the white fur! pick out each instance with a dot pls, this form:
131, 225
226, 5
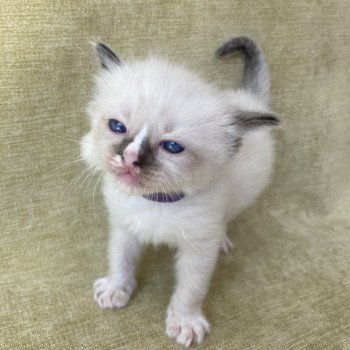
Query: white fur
135, 146
163, 101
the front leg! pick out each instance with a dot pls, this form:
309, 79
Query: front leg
185, 320
115, 290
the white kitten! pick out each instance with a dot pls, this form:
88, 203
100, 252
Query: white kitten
180, 160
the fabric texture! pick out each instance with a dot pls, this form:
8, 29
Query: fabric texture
285, 286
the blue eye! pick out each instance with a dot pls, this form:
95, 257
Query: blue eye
172, 146
116, 126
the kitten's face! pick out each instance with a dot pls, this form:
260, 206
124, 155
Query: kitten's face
157, 128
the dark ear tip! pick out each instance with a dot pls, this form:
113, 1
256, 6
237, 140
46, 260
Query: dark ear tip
103, 49
251, 120
107, 57
100, 47
272, 120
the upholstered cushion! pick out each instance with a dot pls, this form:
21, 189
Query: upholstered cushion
285, 286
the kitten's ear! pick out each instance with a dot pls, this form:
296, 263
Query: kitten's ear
248, 120
107, 57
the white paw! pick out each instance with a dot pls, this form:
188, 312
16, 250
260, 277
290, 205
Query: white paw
187, 329
108, 296
226, 245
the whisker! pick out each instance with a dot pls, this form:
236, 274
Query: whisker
85, 183
72, 183
88, 183
183, 201
90, 173
64, 166
75, 183
93, 193
54, 134
187, 178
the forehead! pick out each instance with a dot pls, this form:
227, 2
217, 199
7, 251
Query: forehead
162, 96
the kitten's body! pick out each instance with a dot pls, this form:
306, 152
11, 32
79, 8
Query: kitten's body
236, 188
228, 162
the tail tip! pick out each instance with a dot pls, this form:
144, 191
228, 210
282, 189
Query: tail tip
221, 51
236, 44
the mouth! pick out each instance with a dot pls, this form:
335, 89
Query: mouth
128, 178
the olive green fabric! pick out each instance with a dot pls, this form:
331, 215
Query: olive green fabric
287, 283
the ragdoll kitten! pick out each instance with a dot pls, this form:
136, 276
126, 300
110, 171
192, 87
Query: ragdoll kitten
179, 160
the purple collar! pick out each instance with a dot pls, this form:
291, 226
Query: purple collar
162, 197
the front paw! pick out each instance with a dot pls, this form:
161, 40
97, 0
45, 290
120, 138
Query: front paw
109, 296
187, 329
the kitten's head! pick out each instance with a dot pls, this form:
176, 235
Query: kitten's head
156, 127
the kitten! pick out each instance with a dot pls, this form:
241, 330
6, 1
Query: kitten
180, 159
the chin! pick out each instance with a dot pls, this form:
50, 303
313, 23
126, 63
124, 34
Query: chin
129, 185
129, 180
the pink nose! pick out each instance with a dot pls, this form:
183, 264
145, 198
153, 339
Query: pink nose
131, 158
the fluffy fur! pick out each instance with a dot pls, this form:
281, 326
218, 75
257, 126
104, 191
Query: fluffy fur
226, 164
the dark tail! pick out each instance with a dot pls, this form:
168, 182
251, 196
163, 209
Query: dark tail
256, 75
